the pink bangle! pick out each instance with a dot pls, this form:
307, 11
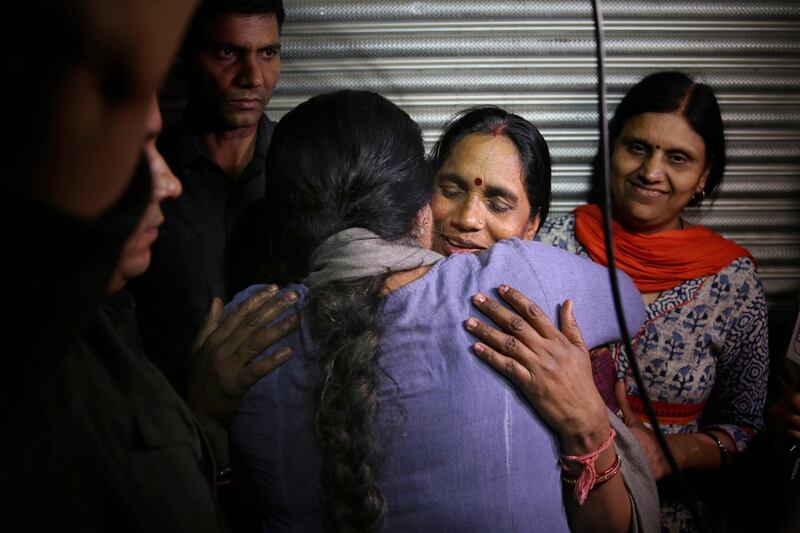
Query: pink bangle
602, 477
588, 477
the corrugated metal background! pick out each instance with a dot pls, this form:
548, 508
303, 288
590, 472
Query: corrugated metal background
537, 59
436, 57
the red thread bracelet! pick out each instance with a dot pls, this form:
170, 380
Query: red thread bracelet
588, 477
602, 477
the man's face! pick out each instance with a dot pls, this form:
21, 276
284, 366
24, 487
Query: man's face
234, 67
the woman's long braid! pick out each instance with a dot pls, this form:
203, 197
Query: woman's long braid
348, 159
344, 316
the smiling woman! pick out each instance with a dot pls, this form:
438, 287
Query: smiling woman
703, 347
360, 432
658, 165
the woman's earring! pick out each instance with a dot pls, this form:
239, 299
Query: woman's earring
699, 196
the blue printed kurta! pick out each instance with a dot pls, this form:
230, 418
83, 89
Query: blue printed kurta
702, 352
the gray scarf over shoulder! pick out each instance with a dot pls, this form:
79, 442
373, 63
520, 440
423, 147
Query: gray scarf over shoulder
359, 253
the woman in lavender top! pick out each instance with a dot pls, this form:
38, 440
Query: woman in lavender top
384, 418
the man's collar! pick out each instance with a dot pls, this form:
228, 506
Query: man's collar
192, 147
263, 136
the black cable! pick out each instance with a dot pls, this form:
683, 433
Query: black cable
612, 270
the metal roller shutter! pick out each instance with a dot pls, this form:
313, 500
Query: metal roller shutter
437, 57
537, 58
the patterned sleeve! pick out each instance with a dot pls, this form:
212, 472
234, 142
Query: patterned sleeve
559, 232
736, 404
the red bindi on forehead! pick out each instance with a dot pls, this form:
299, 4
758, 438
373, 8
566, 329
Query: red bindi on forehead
478, 182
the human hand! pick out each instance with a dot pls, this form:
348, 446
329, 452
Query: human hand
786, 414
551, 368
223, 352
644, 435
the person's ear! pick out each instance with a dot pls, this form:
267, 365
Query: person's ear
701, 183
531, 227
423, 227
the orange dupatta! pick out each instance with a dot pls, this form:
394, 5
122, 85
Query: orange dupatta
657, 261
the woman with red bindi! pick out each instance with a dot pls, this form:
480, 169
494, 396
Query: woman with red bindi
492, 181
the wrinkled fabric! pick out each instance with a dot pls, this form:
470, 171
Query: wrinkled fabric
459, 448
657, 261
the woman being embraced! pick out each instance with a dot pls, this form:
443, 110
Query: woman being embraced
703, 348
384, 418
492, 173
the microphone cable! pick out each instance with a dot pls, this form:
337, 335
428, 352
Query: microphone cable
605, 155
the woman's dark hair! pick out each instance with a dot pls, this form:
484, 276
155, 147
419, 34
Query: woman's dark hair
668, 92
345, 160
533, 151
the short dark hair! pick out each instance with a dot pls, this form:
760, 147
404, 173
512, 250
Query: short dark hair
533, 151
668, 92
210, 9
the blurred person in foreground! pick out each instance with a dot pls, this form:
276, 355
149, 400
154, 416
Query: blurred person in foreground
73, 206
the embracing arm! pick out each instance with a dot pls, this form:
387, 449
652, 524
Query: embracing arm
552, 369
563, 276
223, 367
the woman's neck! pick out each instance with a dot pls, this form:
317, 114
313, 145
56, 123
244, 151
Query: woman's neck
403, 278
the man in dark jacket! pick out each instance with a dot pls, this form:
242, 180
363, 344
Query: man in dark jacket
231, 63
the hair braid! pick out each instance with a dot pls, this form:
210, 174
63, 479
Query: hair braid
344, 315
